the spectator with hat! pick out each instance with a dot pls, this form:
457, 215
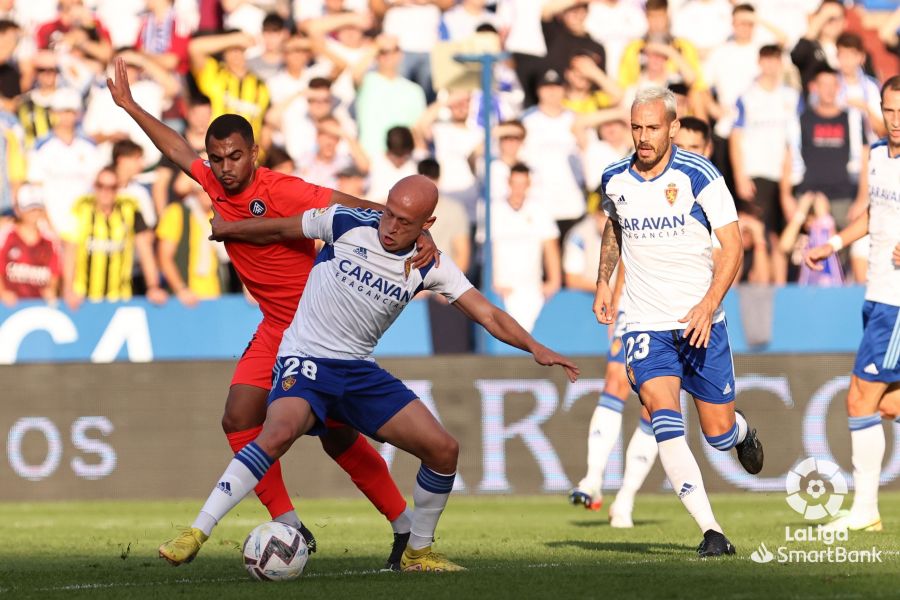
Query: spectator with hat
29, 260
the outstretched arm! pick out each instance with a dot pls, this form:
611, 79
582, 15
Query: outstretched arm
260, 232
503, 327
170, 143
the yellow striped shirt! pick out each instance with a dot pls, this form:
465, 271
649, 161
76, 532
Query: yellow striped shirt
247, 96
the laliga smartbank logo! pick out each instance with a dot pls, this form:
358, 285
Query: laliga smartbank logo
815, 489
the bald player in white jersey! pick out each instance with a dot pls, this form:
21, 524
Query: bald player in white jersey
875, 383
664, 204
361, 281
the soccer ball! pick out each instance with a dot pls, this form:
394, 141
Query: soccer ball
275, 552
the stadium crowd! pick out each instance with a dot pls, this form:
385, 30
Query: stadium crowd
784, 95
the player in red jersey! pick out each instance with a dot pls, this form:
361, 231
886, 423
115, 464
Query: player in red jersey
275, 275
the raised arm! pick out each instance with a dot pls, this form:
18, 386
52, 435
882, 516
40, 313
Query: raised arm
170, 143
503, 327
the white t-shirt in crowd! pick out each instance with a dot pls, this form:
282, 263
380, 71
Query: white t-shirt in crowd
552, 153
706, 23
731, 69
581, 250
383, 174
460, 23
598, 155
523, 20
518, 238
453, 144
769, 124
416, 27
615, 27
104, 117
312, 9
122, 18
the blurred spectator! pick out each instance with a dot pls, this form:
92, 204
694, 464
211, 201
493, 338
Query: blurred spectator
451, 226
511, 136
12, 161
552, 153
249, 15
294, 78
694, 136
808, 229
659, 58
615, 23
269, 59
817, 47
76, 30
524, 238
415, 26
756, 267
29, 260
603, 138
520, 26
197, 118
9, 39
386, 99
733, 65
352, 181
448, 125
859, 92
163, 37
830, 142
128, 162
789, 16
322, 167
397, 162
306, 10
279, 160
152, 86
34, 106
187, 258
229, 84
299, 117
64, 162
122, 19
588, 88
581, 252
704, 23
764, 130
463, 20
99, 249
343, 47
563, 23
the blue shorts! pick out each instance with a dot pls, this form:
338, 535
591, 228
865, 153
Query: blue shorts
616, 352
879, 351
356, 392
706, 373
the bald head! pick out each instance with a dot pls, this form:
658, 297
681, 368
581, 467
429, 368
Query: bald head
408, 211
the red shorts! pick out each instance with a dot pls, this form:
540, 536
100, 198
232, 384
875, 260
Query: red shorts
256, 363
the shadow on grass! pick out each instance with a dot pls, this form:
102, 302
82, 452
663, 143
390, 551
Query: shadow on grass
628, 547
605, 523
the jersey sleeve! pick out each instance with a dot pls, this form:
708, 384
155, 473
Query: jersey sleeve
292, 196
717, 203
318, 224
446, 280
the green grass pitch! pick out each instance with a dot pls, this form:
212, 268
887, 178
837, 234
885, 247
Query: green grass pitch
514, 547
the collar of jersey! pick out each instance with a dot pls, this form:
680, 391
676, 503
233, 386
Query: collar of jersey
668, 164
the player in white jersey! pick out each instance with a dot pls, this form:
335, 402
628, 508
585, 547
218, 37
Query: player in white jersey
363, 278
875, 382
664, 204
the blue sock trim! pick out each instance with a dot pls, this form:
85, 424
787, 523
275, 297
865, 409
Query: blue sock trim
254, 458
726, 441
667, 424
434, 482
611, 402
864, 422
645, 426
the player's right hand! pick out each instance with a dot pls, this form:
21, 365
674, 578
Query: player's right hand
895, 255
603, 304
215, 225
119, 88
815, 256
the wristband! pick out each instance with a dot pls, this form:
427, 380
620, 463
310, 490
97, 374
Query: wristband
836, 242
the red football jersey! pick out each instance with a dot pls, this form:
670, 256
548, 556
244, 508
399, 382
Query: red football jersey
275, 274
28, 269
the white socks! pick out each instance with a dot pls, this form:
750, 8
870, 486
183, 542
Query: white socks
429, 497
606, 425
402, 523
639, 458
243, 473
681, 467
867, 446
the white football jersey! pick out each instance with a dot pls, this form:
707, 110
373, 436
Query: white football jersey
667, 224
884, 225
356, 288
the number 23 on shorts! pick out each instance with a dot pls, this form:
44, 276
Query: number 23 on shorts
637, 347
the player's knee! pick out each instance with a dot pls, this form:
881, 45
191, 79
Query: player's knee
338, 440
236, 420
277, 437
858, 404
445, 454
724, 441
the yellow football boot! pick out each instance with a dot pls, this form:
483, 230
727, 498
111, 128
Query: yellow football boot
183, 548
425, 560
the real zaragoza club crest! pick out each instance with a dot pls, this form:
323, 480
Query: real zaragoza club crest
671, 193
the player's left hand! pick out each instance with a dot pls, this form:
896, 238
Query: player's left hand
699, 324
896, 256
547, 357
426, 251
216, 224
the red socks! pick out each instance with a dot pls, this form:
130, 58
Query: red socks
371, 475
270, 489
